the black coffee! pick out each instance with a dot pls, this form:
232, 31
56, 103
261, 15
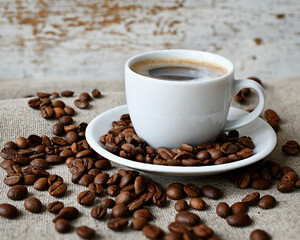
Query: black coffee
178, 69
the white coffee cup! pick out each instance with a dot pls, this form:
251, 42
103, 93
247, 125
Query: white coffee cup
169, 113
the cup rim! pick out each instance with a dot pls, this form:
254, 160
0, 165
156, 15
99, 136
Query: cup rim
189, 82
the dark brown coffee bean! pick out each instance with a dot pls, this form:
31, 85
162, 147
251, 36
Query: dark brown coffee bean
173, 236
68, 213
54, 178
239, 207
96, 188
286, 187
223, 160
113, 190
39, 172
117, 224
203, 155
98, 212
86, 198
59, 141
192, 190
239, 97
243, 180
13, 180
47, 112
84, 96
7, 163
238, 220
43, 95
11, 145
96, 93
34, 140
135, 205
22, 142
71, 137
45, 140
58, 112
82, 104
119, 210
289, 177
69, 111
259, 234
179, 227
271, 115
187, 217
267, 202
211, 192
17, 192
58, 103
251, 199
260, 184
103, 164
215, 153
29, 179
62, 225
34, 102
41, 184
197, 204
203, 231
223, 210
84, 153
67, 93
138, 223
124, 197
139, 185
85, 180
53, 159
33, 205
126, 180
165, 153
58, 129
85, 232
55, 207
245, 153
55, 95
181, 205
291, 148
101, 178
66, 120
39, 162
107, 202
175, 192
153, 232
8, 153
8, 211
297, 184
57, 189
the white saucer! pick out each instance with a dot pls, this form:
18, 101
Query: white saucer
261, 133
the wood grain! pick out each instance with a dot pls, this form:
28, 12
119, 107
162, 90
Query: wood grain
92, 39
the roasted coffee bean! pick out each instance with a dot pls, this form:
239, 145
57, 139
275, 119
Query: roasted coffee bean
101, 178
175, 192
8, 153
34, 140
57, 189
41, 184
117, 224
22, 142
139, 185
39, 162
45, 140
59, 141
238, 220
71, 137
85, 180
143, 213
103, 164
211, 192
265, 174
39, 172
223, 210
14, 170
82, 104
7, 163
86, 198
43, 95
173, 236
62, 225
239, 97
153, 232
239, 207
187, 217
85, 96
251, 199
192, 190
11, 145
58, 112
55, 207
223, 160
179, 227
53, 159
85, 232
259, 234
113, 190
13, 180
34, 102
289, 177
29, 179
58, 103
96, 188
138, 223
98, 212
271, 115
126, 180
291, 148
96, 93
55, 95
286, 187
67, 93
267, 202
260, 184
33, 205
245, 153
124, 197
40, 148
68, 213
66, 120
8, 211
21, 160
58, 129
47, 112
203, 231
69, 111
45, 102
17, 192
159, 200
181, 205
119, 210
243, 180
107, 202
197, 204
54, 178
135, 205
85, 153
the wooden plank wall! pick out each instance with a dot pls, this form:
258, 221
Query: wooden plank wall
91, 39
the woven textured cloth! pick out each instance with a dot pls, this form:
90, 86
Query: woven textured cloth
17, 119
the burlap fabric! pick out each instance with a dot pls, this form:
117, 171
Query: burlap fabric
17, 119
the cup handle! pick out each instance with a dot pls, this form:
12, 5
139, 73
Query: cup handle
239, 85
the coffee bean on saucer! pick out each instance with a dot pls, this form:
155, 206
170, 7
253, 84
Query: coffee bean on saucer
96, 93
238, 220
85, 232
33, 205
55, 207
181, 205
223, 210
62, 225
67, 93
251, 199
81, 103
17, 192
8, 211
267, 202
259, 234
291, 148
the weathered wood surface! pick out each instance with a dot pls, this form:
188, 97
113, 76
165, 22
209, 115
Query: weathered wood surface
92, 39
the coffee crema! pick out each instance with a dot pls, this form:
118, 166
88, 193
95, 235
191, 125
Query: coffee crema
178, 69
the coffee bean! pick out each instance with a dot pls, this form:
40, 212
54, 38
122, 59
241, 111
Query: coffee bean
113, 190
39, 162
124, 197
71, 137
66, 120
55, 207
143, 213
62, 225
251, 199
260, 184
179, 227
103, 164
81, 103
243, 180
8, 211
13, 180
85, 232
135, 205
197, 204
58, 129
289, 177
267, 202
211, 192
22, 142
55, 95
119, 210
117, 224
45, 140
181, 205
86, 198
58, 104
173, 236
96, 93
187, 217
85, 180
85, 96
286, 187
53, 159
107, 202
138, 223
203, 231
139, 185
17, 192
271, 115
54, 178
175, 192
238, 220
41, 184
239, 207
223, 210
69, 111
7, 163
152, 231
291, 148
33, 205
98, 212
68, 213
67, 93
259, 234
57, 189
192, 190
47, 112
29, 179
239, 97
297, 184
34, 102
101, 179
